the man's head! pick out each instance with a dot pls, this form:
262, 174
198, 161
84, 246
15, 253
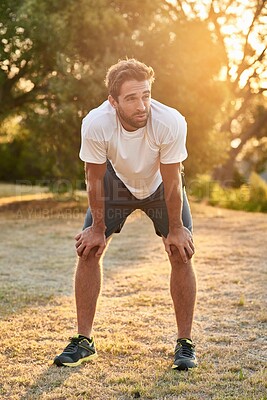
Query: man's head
127, 70
129, 85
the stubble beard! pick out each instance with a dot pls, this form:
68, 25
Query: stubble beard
131, 121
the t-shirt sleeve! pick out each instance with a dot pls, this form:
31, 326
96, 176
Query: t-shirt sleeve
173, 146
93, 150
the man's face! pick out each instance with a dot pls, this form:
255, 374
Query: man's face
133, 104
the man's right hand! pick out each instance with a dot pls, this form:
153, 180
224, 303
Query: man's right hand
88, 239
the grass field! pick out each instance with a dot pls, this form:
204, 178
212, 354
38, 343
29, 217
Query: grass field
12, 190
12, 193
134, 329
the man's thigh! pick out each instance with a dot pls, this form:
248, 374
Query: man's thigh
156, 209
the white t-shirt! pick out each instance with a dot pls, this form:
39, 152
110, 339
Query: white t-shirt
135, 156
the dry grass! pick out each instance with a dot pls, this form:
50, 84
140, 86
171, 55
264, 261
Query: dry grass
18, 190
135, 329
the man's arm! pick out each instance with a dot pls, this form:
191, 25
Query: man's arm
178, 235
94, 236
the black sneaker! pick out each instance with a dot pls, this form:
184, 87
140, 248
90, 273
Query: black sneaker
79, 350
185, 356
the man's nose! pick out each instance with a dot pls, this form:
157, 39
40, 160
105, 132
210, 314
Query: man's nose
141, 106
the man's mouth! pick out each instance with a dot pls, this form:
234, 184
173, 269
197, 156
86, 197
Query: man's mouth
141, 116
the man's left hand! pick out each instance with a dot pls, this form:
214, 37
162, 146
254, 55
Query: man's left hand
182, 239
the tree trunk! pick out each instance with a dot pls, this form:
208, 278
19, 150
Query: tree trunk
225, 173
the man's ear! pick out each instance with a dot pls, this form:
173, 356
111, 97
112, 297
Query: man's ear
112, 101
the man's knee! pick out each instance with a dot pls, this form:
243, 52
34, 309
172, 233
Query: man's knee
176, 259
90, 260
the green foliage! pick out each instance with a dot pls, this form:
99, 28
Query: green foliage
249, 197
20, 162
258, 193
54, 56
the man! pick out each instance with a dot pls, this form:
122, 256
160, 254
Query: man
133, 147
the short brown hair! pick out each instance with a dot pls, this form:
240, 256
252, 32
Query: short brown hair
126, 70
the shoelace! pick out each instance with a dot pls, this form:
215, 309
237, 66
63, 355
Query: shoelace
185, 350
73, 344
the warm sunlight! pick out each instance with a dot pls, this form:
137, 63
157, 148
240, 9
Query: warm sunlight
174, 306
235, 26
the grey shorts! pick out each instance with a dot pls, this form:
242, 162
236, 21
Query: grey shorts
120, 203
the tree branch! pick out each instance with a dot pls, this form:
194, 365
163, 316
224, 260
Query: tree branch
172, 7
213, 17
256, 15
252, 131
226, 125
260, 57
193, 11
228, 5
242, 66
15, 102
225, 172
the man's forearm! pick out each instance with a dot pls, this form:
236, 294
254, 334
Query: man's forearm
178, 236
96, 198
94, 174
174, 200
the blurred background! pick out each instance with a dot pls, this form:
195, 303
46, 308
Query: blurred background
210, 63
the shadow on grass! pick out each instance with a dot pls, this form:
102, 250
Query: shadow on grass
169, 384
16, 300
49, 380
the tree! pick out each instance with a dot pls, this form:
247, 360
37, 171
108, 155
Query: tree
245, 77
54, 57
53, 62
240, 28
29, 43
187, 61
